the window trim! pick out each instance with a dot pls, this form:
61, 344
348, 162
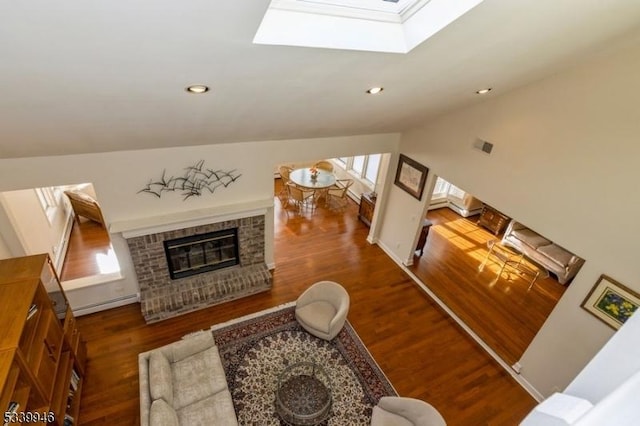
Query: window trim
348, 167
49, 198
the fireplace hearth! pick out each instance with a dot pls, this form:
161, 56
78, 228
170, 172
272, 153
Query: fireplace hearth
185, 269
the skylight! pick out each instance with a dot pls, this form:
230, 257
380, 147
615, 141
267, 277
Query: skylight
377, 10
371, 25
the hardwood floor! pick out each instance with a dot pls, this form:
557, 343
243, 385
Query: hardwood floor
502, 311
89, 251
421, 350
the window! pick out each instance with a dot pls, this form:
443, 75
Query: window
49, 198
456, 192
358, 164
364, 167
441, 188
371, 173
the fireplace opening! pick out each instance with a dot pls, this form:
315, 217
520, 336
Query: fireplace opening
202, 253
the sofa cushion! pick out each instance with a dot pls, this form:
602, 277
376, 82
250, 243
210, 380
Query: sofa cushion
160, 377
317, 315
197, 377
530, 238
162, 414
557, 255
189, 345
215, 410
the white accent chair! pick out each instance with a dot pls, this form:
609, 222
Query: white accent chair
322, 309
402, 411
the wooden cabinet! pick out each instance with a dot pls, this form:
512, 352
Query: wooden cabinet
41, 354
493, 220
367, 205
424, 233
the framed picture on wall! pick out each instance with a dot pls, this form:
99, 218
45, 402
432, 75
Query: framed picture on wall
611, 302
411, 176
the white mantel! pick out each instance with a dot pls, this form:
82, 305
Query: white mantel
188, 218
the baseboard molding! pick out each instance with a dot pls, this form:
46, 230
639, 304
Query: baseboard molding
438, 205
390, 253
115, 303
517, 377
453, 207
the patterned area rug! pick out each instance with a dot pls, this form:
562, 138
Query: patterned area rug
256, 349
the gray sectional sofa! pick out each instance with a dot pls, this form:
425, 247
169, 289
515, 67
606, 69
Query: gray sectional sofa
564, 264
183, 383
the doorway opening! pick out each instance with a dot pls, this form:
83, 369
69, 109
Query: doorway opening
499, 304
66, 222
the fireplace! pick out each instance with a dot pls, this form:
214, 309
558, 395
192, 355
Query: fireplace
197, 254
182, 268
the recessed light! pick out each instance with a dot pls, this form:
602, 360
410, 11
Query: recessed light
197, 88
375, 90
483, 91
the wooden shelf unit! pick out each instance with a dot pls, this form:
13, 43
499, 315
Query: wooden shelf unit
38, 352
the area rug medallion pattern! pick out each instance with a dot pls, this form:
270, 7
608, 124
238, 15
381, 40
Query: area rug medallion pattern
256, 349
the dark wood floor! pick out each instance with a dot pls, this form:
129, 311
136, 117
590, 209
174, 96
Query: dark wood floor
421, 350
501, 310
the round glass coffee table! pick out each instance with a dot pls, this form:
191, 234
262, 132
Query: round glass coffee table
303, 395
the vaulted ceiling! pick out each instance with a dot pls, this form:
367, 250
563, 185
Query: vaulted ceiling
102, 75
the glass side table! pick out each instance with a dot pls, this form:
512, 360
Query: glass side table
508, 257
303, 395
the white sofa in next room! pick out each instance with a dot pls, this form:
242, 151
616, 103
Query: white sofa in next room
560, 261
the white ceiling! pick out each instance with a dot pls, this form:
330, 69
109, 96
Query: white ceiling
102, 75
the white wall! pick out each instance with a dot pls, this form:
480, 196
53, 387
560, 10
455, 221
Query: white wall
12, 247
4, 250
118, 176
34, 231
617, 361
610, 382
565, 162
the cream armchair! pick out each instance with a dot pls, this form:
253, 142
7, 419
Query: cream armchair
322, 309
400, 411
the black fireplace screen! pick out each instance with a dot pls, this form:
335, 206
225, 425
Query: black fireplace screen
202, 253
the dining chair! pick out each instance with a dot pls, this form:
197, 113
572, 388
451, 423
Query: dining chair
336, 196
324, 165
284, 171
299, 198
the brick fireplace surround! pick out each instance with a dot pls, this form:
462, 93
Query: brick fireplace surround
162, 298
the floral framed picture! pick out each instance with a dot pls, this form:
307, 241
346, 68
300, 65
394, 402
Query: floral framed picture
611, 302
411, 176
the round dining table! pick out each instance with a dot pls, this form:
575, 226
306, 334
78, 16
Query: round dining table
302, 178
